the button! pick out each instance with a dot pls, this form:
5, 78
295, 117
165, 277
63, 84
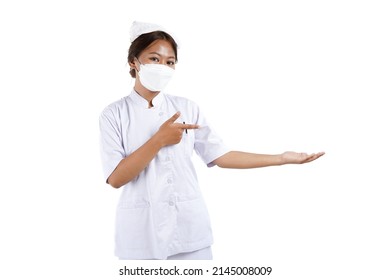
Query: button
161, 113
171, 203
169, 181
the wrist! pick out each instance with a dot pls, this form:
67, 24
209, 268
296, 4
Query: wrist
281, 160
157, 141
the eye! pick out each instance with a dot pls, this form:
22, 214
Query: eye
171, 63
154, 59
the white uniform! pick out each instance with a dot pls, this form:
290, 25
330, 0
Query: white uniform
161, 212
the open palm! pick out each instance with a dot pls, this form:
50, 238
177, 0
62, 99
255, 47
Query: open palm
299, 158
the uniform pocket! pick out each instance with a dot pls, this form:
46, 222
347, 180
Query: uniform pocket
193, 220
133, 222
187, 142
135, 203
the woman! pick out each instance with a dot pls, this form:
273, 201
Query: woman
147, 140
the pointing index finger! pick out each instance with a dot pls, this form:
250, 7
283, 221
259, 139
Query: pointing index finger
173, 118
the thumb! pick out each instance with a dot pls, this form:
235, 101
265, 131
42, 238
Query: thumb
173, 118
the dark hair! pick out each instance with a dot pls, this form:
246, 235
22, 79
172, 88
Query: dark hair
144, 41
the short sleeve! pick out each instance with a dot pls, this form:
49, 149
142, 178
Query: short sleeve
111, 148
208, 145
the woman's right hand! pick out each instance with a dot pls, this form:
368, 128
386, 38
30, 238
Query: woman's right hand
170, 133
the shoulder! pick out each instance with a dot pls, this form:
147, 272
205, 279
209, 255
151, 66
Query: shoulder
183, 101
116, 107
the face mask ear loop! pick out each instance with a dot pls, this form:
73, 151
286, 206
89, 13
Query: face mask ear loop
135, 68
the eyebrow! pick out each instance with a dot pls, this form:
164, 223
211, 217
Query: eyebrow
161, 55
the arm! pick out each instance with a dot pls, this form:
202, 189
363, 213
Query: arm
170, 133
241, 160
129, 167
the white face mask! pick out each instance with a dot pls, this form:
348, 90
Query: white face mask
155, 77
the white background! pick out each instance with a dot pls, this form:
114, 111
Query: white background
270, 75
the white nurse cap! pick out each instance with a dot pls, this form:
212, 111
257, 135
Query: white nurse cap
138, 28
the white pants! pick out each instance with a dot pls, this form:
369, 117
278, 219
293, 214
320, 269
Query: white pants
202, 254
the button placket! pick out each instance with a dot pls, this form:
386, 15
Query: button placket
169, 177
169, 187
172, 200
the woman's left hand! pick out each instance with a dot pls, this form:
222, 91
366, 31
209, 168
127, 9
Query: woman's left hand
299, 158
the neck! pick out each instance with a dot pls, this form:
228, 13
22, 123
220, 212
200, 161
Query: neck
145, 93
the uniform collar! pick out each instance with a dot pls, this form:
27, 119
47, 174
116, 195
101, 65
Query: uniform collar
140, 101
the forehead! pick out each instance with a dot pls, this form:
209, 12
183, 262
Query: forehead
161, 47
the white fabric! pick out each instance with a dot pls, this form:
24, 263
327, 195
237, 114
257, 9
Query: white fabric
161, 212
138, 28
202, 254
155, 77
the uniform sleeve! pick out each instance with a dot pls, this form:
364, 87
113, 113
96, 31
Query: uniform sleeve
208, 145
111, 148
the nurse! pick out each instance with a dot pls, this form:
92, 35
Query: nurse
147, 139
